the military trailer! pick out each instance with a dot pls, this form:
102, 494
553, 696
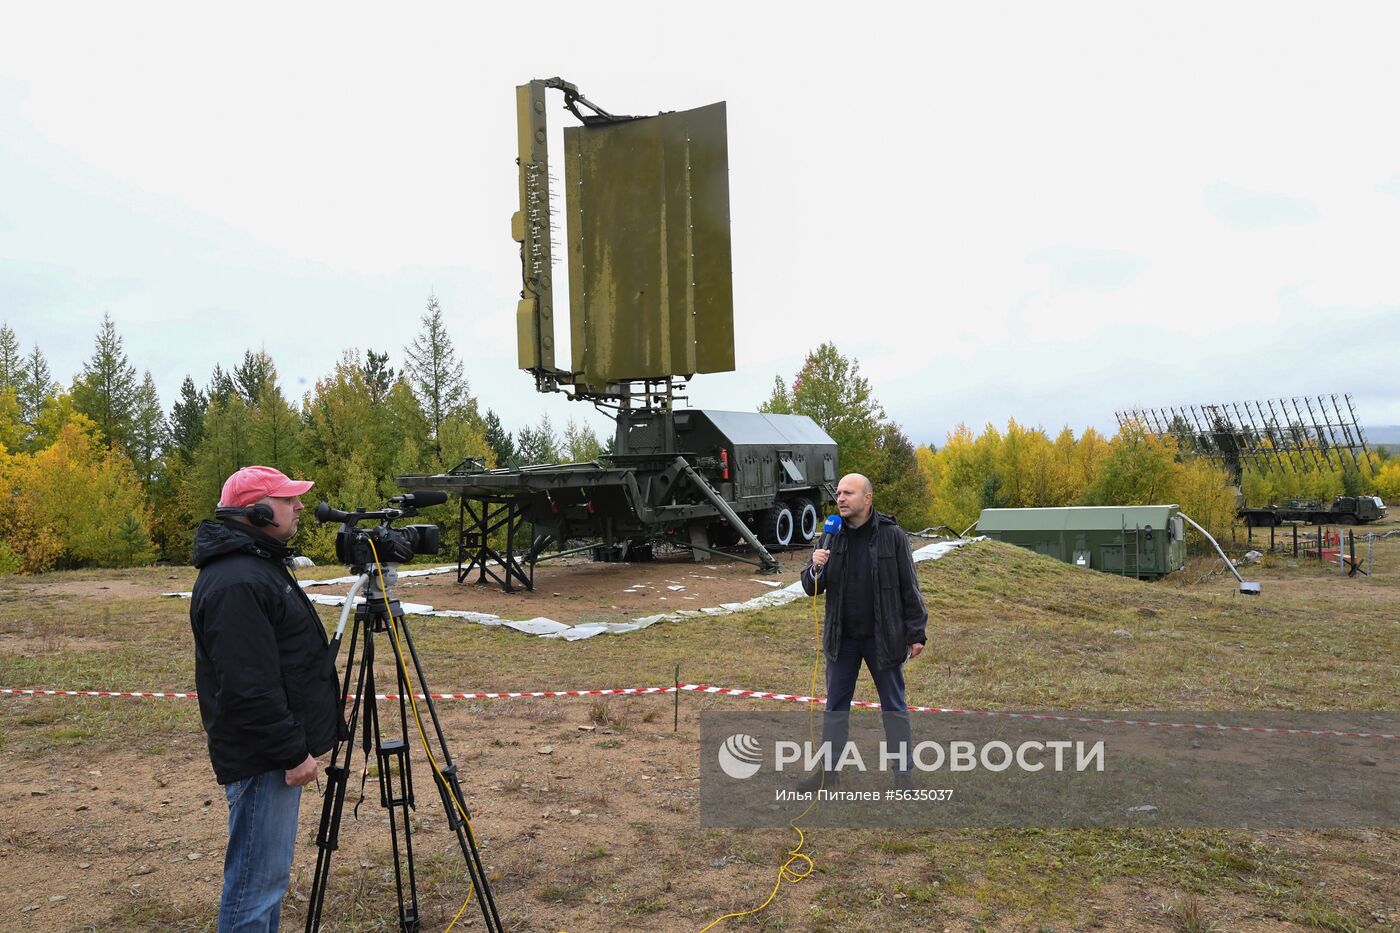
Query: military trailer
1344, 510
1144, 541
650, 305
702, 479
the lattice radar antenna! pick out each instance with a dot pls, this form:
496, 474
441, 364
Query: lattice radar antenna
1301, 429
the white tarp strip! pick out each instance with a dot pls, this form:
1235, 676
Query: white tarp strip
346, 581
548, 628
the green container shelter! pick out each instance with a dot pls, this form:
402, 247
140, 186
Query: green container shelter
1145, 541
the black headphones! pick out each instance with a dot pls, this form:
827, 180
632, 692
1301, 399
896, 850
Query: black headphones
259, 514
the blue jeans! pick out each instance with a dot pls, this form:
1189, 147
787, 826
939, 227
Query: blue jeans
262, 834
841, 688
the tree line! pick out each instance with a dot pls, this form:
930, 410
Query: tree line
1021, 467
101, 474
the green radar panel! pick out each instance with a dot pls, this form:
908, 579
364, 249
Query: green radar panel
650, 284
650, 288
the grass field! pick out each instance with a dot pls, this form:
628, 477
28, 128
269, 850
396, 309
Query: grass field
601, 832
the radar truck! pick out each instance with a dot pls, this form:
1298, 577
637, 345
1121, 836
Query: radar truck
1344, 510
650, 306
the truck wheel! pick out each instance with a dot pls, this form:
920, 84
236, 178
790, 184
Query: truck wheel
806, 520
777, 525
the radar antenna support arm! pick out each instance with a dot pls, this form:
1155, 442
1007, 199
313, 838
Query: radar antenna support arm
767, 564
573, 97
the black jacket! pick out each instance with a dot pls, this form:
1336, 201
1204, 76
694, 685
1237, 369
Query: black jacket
900, 616
267, 685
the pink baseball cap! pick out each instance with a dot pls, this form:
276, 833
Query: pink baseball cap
254, 483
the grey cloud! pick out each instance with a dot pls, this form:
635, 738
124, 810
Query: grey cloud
1077, 269
1253, 210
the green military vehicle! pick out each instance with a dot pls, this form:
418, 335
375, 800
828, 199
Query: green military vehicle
1344, 510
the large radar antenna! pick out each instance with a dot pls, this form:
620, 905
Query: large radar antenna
1300, 429
650, 288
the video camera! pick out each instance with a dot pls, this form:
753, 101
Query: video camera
392, 545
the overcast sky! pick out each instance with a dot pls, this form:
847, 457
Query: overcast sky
1045, 211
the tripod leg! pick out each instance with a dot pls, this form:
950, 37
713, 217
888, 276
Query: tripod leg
450, 790
337, 778
396, 796
327, 841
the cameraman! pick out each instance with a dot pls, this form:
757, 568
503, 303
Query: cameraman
267, 686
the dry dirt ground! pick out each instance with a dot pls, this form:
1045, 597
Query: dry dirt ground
574, 589
111, 838
132, 838
585, 807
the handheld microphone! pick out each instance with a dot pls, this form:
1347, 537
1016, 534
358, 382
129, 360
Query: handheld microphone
830, 530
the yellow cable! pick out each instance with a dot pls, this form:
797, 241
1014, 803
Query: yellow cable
785, 871
418, 721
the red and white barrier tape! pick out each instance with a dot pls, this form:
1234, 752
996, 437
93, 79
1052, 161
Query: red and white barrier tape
1049, 717
96, 693
619, 691
786, 697
378, 696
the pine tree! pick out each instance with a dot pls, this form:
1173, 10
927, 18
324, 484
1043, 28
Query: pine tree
581, 444
149, 432
433, 370
36, 385
225, 445
379, 375
901, 488
253, 375
106, 389
275, 430
133, 543
538, 444
499, 439
11, 361
187, 419
221, 385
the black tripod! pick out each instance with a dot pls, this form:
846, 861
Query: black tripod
380, 613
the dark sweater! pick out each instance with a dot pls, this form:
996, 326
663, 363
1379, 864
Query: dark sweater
899, 615
858, 588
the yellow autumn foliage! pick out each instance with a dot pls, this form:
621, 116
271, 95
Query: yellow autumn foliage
76, 503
